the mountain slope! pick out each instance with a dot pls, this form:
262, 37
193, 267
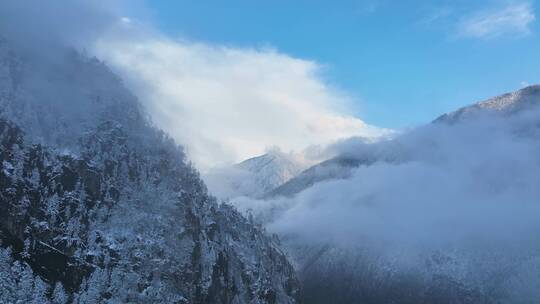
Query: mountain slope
504, 104
255, 176
430, 216
334, 168
95, 199
271, 170
341, 166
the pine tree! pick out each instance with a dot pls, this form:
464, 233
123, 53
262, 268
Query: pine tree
59, 295
39, 294
7, 280
25, 282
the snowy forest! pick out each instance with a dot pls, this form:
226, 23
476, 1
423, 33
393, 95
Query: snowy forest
101, 201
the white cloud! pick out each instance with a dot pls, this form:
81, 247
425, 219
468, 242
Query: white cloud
467, 191
514, 18
227, 104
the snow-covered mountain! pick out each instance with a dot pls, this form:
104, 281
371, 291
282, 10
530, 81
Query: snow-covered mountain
429, 216
255, 176
504, 104
102, 207
341, 166
335, 168
272, 169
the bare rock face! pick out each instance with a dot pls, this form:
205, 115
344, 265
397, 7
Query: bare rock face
110, 210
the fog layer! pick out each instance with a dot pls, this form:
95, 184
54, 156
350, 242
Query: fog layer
466, 190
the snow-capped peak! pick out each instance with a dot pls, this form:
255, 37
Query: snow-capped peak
255, 176
506, 103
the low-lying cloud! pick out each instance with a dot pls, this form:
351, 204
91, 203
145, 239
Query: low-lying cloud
468, 191
436, 184
226, 104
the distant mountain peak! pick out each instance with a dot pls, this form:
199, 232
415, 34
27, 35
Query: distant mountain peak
255, 176
506, 103
275, 164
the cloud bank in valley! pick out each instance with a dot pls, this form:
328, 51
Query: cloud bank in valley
227, 103
454, 201
438, 186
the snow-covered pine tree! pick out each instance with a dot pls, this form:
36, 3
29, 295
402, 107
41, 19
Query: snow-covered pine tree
103, 196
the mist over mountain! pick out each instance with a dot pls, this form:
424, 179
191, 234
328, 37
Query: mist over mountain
337, 167
255, 176
99, 206
444, 213
105, 121
505, 104
354, 152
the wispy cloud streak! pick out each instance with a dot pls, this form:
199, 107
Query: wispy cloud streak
513, 19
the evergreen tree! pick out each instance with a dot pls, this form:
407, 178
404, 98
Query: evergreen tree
59, 295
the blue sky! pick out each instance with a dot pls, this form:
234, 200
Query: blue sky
404, 62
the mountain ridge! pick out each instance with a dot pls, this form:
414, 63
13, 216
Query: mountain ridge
255, 176
506, 104
101, 204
